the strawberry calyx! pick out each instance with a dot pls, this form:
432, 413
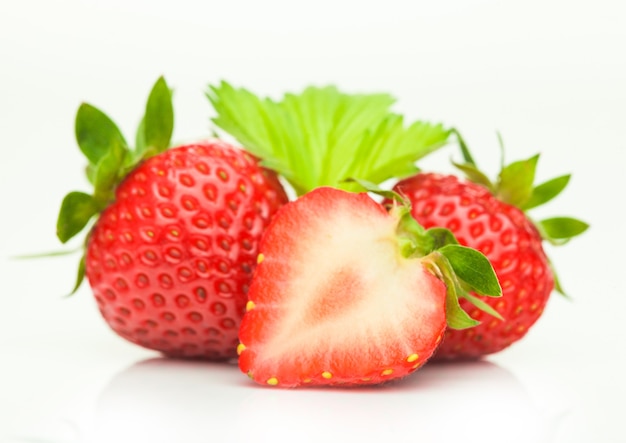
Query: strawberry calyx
515, 185
110, 159
322, 136
463, 270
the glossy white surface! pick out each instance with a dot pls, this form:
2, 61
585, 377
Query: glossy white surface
548, 74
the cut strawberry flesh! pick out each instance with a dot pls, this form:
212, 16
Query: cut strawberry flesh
334, 301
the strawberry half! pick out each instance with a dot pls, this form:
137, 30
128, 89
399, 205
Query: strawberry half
491, 217
175, 232
349, 293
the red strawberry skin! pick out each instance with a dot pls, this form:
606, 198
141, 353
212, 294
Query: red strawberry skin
507, 238
171, 259
332, 301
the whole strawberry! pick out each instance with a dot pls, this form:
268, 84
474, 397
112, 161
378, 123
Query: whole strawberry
171, 253
490, 217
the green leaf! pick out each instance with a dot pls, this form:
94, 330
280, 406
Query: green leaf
473, 268
467, 156
158, 121
474, 174
545, 192
140, 138
562, 228
515, 182
439, 264
108, 174
375, 189
483, 306
558, 287
77, 209
392, 149
441, 237
80, 275
322, 136
96, 133
456, 317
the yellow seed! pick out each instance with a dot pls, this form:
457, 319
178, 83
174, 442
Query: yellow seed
260, 258
250, 305
306, 380
240, 348
416, 365
327, 375
366, 379
411, 358
272, 381
387, 372
249, 374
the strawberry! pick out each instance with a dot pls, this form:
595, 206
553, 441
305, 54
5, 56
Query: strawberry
348, 293
491, 217
175, 232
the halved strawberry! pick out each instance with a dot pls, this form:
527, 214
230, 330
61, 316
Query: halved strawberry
349, 293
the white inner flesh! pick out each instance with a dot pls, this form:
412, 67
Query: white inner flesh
390, 293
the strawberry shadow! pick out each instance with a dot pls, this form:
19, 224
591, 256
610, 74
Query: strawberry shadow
166, 400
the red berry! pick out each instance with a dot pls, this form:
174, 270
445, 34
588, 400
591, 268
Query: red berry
170, 261
507, 238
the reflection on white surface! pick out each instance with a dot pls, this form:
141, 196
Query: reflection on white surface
161, 400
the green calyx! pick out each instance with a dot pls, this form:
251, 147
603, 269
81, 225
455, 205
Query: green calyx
322, 136
463, 270
516, 186
110, 159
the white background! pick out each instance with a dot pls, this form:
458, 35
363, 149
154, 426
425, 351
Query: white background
549, 75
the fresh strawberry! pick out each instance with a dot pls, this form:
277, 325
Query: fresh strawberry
490, 217
347, 293
171, 253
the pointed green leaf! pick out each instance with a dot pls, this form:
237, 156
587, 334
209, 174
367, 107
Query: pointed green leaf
77, 209
515, 183
480, 304
502, 150
375, 189
467, 156
545, 192
140, 137
96, 133
475, 175
473, 268
108, 174
557, 281
561, 228
80, 276
441, 237
158, 121
456, 317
